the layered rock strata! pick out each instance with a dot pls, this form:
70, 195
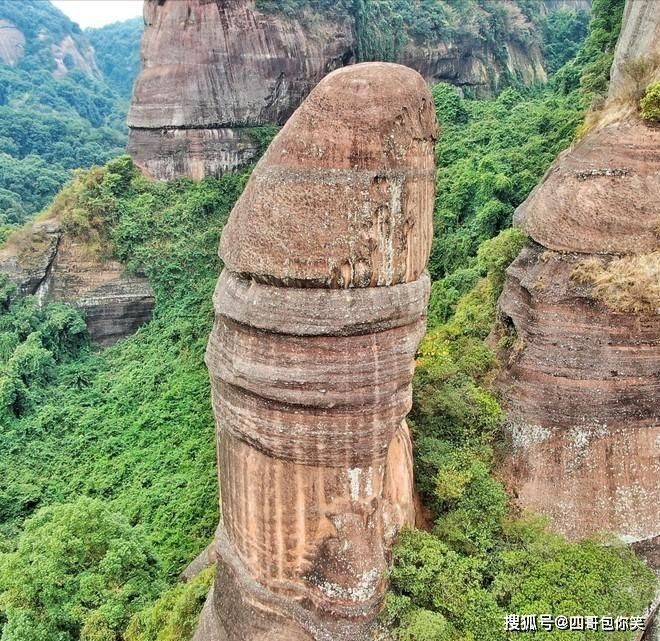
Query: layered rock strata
582, 375
212, 69
43, 260
318, 316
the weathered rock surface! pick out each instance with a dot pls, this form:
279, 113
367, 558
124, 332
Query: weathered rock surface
600, 196
640, 35
318, 316
78, 54
12, 43
213, 68
43, 260
581, 381
583, 394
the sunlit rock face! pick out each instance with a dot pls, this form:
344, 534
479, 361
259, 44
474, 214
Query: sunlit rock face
318, 316
581, 376
212, 69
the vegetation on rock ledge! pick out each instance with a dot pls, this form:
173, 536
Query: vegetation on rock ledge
650, 104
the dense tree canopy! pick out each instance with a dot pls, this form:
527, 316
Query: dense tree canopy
117, 48
51, 124
78, 573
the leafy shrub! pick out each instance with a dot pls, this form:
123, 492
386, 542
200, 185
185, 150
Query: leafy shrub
650, 104
132, 425
487, 165
443, 594
564, 32
78, 572
458, 582
590, 69
174, 616
33, 341
51, 125
449, 105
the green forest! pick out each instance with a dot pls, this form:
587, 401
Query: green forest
107, 460
50, 125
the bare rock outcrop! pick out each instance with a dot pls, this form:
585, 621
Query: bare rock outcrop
12, 43
581, 307
77, 54
211, 69
214, 68
640, 35
319, 312
42, 260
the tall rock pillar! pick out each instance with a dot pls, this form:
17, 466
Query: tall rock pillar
581, 380
319, 312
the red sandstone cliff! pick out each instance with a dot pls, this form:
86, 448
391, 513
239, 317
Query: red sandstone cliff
213, 67
318, 316
581, 306
43, 260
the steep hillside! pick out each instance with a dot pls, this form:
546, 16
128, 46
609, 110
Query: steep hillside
132, 427
117, 49
124, 439
57, 112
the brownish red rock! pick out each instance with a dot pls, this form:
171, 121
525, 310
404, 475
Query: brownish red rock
318, 316
581, 381
582, 394
214, 68
41, 259
601, 195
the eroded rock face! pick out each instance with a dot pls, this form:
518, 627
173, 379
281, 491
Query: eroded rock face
318, 316
583, 394
75, 50
80, 54
43, 260
640, 35
12, 43
211, 68
582, 375
600, 196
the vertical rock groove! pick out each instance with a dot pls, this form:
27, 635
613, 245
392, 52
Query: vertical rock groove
319, 312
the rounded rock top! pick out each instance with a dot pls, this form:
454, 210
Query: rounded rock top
344, 195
